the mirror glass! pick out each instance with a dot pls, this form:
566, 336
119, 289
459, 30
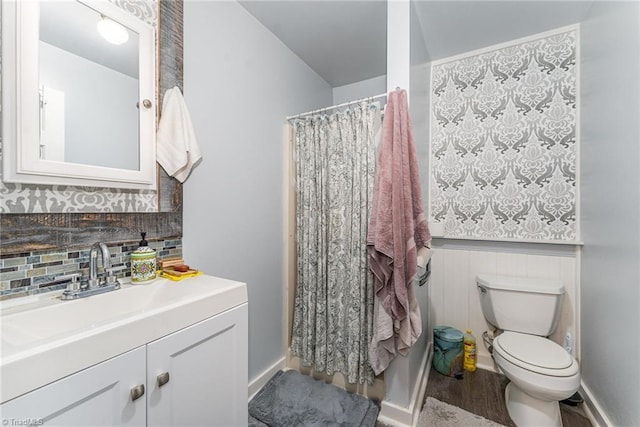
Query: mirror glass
79, 105
88, 80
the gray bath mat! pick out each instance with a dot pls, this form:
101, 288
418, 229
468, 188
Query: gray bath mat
439, 414
292, 399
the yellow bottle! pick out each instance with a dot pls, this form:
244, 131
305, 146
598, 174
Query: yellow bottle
469, 351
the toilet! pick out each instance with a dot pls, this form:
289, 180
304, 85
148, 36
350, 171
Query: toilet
541, 372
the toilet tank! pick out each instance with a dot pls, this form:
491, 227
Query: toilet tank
526, 305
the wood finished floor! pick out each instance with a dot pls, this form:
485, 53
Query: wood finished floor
482, 393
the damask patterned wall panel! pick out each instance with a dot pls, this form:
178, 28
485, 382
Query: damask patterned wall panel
503, 141
32, 198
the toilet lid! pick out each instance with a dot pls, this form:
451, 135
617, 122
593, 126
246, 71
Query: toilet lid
531, 352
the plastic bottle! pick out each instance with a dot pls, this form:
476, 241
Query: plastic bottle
469, 351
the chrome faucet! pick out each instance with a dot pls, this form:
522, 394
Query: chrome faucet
93, 263
92, 285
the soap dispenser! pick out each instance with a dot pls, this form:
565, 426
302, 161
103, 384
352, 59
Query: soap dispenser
143, 262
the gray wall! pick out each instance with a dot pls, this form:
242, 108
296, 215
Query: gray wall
361, 89
240, 82
610, 155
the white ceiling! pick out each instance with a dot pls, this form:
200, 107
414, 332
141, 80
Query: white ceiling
345, 41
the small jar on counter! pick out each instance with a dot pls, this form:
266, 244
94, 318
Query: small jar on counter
143, 263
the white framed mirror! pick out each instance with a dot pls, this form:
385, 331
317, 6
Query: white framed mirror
77, 109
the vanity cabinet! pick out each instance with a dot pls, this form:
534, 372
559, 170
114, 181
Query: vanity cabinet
199, 376
99, 395
196, 376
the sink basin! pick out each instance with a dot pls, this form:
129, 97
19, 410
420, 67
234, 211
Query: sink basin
47, 339
50, 321
54, 318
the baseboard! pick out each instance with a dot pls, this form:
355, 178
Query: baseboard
258, 382
394, 415
487, 363
592, 408
400, 416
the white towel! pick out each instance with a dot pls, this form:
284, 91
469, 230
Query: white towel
177, 148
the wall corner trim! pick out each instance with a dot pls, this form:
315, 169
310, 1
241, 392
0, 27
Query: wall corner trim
399, 416
592, 408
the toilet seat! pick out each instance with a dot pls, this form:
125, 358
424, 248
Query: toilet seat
536, 354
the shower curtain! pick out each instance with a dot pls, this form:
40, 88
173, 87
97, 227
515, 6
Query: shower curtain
333, 306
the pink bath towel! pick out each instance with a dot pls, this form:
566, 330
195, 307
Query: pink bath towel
397, 229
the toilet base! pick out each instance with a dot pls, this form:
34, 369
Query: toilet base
527, 411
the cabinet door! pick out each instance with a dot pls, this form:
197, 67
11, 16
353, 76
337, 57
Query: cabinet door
97, 396
207, 372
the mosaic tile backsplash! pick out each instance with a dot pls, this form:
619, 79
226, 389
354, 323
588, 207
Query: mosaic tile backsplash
36, 272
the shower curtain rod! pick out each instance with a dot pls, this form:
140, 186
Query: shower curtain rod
344, 104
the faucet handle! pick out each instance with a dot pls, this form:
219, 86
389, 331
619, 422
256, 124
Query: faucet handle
111, 274
74, 284
112, 271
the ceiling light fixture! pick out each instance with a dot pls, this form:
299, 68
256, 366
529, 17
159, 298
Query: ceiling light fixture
112, 32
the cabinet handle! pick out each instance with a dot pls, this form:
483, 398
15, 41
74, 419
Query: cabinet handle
137, 392
163, 378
